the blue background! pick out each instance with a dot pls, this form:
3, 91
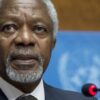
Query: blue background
75, 60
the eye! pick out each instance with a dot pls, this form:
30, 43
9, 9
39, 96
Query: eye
8, 28
39, 29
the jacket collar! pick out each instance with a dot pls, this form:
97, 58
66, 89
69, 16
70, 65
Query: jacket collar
2, 96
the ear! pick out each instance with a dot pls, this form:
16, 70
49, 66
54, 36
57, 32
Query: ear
54, 42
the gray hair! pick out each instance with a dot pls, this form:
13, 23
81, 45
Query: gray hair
53, 14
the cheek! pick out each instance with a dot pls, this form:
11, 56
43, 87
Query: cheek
45, 50
6, 42
4, 47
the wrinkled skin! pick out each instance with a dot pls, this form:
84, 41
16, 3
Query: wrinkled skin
25, 29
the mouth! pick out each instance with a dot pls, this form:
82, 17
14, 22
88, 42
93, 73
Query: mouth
24, 62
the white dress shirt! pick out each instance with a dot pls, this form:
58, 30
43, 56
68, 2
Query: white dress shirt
12, 92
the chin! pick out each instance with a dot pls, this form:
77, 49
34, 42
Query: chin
24, 76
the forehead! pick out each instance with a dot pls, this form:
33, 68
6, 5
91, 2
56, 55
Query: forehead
29, 6
11, 3
32, 8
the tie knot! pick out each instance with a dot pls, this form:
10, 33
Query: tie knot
26, 97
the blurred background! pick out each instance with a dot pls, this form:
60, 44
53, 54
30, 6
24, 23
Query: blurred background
75, 59
78, 14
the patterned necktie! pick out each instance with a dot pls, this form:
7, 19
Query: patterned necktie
28, 97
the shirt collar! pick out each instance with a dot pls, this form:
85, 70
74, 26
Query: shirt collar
12, 92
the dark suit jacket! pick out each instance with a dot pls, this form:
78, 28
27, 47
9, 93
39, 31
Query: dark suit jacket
52, 93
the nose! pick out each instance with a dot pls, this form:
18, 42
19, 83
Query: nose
25, 37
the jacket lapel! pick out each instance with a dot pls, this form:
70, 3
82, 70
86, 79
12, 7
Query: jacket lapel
2, 96
48, 92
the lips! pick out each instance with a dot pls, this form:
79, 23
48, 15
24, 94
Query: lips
24, 62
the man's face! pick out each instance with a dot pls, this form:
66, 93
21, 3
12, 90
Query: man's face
26, 40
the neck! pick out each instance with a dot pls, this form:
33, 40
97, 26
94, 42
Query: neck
27, 88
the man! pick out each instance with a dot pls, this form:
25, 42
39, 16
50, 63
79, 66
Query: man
27, 37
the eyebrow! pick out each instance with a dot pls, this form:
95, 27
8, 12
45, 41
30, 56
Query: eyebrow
8, 17
18, 19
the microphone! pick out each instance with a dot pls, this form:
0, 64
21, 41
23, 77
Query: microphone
90, 89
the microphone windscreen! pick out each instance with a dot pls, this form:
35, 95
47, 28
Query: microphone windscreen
89, 89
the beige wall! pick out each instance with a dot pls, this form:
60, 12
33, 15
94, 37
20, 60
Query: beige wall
78, 14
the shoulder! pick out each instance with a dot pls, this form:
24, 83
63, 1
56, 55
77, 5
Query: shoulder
58, 94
